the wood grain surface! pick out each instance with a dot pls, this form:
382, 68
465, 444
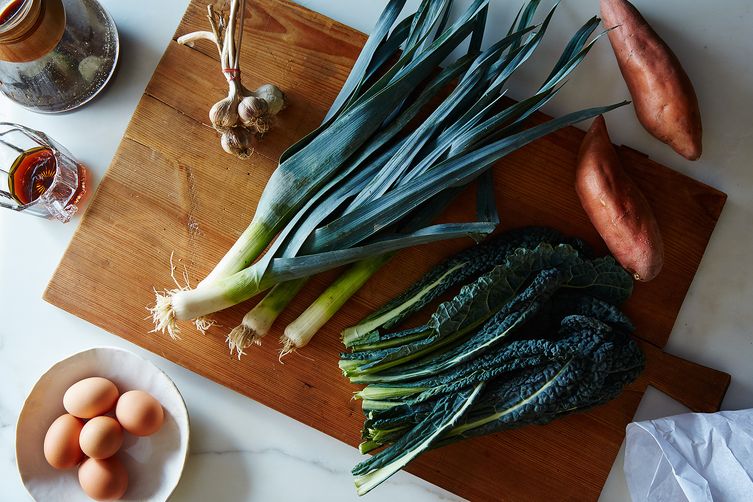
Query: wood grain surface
171, 190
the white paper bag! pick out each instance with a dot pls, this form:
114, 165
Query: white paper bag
695, 457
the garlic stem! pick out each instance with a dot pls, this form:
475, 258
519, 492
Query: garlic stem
235, 90
224, 55
218, 36
230, 38
240, 36
190, 38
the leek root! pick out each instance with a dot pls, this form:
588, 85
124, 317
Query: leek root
258, 321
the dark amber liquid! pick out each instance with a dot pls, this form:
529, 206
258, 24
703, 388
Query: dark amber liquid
9, 10
34, 171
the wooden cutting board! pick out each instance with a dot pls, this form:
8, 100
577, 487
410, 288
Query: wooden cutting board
170, 189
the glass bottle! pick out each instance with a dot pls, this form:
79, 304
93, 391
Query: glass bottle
55, 55
38, 175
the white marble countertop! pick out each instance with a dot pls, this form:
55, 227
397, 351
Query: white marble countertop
244, 451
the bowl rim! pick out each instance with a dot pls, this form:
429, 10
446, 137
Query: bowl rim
130, 353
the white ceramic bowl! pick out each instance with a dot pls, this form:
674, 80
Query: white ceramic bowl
154, 463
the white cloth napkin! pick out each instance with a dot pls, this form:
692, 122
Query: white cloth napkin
695, 457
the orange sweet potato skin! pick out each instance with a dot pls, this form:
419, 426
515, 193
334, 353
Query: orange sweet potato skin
663, 95
616, 206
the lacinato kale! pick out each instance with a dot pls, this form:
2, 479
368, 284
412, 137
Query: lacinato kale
457, 270
535, 336
589, 365
479, 301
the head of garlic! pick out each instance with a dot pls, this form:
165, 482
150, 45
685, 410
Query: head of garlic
273, 96
237, 141
243, 115
251, 108
258, 109
224, 113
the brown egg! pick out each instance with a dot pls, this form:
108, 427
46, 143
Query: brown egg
103, 479
101, 437
139, 413
61, 442
90, 397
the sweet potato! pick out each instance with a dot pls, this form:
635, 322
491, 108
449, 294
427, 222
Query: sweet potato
616, 206
663, 96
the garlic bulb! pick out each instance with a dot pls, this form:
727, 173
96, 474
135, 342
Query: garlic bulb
224, 113
237, 141
251, 108
258, 109
243, 114
273, 96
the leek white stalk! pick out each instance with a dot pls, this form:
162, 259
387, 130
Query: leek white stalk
299, 332
258, 321
185, 304
252, 241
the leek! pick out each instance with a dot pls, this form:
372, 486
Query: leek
349, 191
299, 332
224, 293
258, 321
306, 170
325, 150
